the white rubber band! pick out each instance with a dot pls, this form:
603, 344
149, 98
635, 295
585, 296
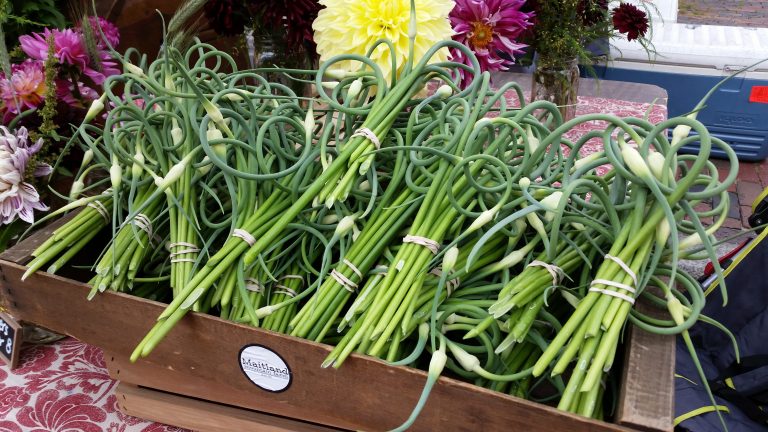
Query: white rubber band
380, 270
178, 260
285, 290
430, 244
185, 251
245, 235
99, 207
614, 284
623, 266
557, 273
142, 222
616, 294
353, 268
253, 285
344, 281
367, 133
450, 285
190, 249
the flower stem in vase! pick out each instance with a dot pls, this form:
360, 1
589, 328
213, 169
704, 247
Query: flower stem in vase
557, 82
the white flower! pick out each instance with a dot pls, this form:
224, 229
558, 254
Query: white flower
17, 197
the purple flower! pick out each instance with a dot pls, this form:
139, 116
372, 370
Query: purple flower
109, 67
18, 198
65, 92
488, 28
69, 49
99, 25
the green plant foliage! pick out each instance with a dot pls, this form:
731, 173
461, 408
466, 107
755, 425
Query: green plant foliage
19, 17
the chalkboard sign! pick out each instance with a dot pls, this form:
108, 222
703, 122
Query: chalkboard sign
10, 340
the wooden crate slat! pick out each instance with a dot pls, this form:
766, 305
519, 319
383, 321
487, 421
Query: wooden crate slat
647, 394
21, 252
200, 359
202, 415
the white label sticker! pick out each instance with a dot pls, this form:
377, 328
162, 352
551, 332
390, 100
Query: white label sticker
265, 368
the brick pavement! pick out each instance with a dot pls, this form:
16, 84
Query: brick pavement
746, 13
753, 176
752, 179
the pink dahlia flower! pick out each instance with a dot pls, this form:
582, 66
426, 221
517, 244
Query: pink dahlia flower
111, 33
69, 49
109, 67
488, 28
65, 92
24, 89
17, 197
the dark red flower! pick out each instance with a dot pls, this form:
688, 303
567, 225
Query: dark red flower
592, 11
226, 17
629, 19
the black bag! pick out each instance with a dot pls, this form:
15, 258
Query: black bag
741, 389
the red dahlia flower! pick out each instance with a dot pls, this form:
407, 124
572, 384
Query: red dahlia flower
629, 19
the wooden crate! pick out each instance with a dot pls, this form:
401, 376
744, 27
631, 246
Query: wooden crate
197, 367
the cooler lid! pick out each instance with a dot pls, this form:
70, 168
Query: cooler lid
722, 49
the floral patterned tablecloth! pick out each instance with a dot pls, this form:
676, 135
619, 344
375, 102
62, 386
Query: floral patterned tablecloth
65, 387
654, 113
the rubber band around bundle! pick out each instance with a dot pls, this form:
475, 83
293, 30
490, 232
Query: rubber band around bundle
430, 244
614, 284
189, 250
99, 207
616, 294
380, 270
170, 246
254, 285
450, 285
353, 268
623, 266
245, 235
142, 222
344, 281
556, 272
367, 133
282, 289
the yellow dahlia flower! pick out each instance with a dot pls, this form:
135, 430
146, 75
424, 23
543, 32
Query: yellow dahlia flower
353, 26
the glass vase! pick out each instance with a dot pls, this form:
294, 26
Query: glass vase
557, 82
271, 50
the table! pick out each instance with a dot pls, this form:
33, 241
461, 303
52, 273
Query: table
622, 99
65, 386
